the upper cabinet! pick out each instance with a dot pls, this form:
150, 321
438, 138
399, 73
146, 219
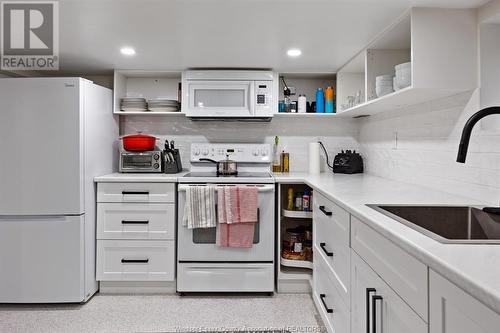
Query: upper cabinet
437, 50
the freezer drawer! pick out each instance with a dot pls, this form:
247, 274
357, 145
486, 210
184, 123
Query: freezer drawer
135, 260
135, 221
42, 259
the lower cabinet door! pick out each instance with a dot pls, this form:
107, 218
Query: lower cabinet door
375, 307
454, 311
331, 305
135, 260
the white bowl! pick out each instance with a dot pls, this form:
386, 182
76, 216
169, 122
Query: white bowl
381, 91
403, 66
403, 78
383, 78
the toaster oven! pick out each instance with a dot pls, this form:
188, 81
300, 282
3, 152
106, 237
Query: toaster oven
145, 161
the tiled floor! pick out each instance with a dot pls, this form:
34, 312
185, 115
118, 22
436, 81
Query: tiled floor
165, 313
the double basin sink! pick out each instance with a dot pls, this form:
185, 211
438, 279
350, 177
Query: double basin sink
447, 224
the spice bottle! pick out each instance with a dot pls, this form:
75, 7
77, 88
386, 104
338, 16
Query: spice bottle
289, 205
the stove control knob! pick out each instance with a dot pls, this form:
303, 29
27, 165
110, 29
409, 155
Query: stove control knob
196, 151
263, 152
255, 152
205, 152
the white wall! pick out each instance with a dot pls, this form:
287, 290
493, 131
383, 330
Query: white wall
295, 134
426, 148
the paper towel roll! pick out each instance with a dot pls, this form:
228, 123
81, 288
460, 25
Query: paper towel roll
314, 158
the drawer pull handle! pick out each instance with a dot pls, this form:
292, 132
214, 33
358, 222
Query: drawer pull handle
322, 297
327, 213
368, 294
135, 192
135, 261
134, 222
374, 313
323, 247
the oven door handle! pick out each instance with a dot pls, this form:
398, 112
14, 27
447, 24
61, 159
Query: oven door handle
263, 188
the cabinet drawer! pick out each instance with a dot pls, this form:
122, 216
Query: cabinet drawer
373, 299
329, 302
135, 192
135, 221
338, 265
135, 260
405, 274
330, 221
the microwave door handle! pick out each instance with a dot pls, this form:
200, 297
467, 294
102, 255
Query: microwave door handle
251, 98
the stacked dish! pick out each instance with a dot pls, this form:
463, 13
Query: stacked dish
384, 85
403, 76
133, 104
161, 104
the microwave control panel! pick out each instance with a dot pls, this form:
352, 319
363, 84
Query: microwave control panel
263, 97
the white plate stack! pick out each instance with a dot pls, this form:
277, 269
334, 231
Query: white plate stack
130, 104
403, 76
161, 104
383, 85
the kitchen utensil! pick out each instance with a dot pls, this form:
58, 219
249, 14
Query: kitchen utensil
139, 142
348, 162
225, 167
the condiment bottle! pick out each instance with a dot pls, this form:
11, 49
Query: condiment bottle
305, 201
285, 162
290, 199
302, 108
276, 156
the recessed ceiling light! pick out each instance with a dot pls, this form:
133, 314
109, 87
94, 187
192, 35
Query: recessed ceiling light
294, 52
127, 51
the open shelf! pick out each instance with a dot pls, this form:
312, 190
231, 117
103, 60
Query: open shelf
298, 214
147, 84
297, 263
441, 46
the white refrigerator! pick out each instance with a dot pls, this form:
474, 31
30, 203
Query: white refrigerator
57, 134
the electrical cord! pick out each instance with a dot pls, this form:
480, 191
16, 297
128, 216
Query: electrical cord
326, 154
286, 91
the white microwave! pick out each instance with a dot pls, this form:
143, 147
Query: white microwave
216, 94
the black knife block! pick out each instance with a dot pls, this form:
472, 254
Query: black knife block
174, 166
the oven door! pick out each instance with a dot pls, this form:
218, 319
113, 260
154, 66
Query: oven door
220, 99
198, 245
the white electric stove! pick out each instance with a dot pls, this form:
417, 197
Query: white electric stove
202, 265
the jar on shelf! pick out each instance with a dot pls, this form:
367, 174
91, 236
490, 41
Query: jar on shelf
293, 244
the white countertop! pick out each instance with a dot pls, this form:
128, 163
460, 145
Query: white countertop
139, 177
473, 267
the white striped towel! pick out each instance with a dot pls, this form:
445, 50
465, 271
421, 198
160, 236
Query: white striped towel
199, 210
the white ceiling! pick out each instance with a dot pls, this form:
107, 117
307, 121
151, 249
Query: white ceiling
178, 34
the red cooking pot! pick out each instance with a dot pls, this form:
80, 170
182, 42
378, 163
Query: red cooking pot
139, 142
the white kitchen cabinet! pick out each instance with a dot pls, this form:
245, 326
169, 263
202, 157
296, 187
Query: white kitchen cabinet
376, 305
405, 274
331, 227
136, 232
452, 310
442, 47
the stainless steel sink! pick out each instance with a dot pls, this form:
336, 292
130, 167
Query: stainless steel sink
447, 224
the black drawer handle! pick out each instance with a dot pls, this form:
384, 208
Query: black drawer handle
322, 297
368, 292
135, 261
134, 222
323, 247
374, 312
135, 192
327, 213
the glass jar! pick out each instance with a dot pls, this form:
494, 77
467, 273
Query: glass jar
293, 244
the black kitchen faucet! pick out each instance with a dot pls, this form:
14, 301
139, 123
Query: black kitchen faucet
464, 142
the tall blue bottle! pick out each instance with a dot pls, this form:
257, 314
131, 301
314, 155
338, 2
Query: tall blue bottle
320, 100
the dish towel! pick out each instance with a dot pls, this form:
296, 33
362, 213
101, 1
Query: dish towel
199, 210
237, 213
